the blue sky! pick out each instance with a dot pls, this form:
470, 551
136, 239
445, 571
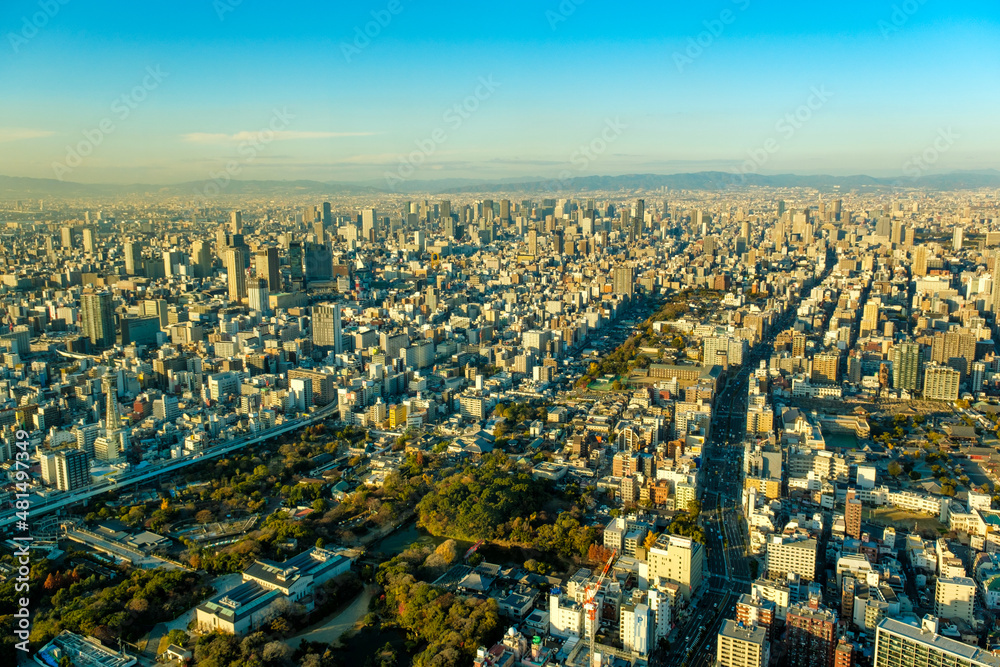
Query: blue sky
891, 76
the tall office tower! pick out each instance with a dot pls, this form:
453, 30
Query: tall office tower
295, 262
897, 232
557, 242
883, 227
624, 280
899, 644
326, 328
907, 367
811, 634
444, 210
838, 207
98, 318
172, 261
640, 212
236, 274
88, 239
920, 261
533, 243
201, 258
782, 207
908, 237
368, 224
257, 296
265, 264
488, 211
66, 237
236, 222
742, 646
318, 262
956, 239
327, 213
995, 300
320, 231
505, 210
852, 514
72, 470
133, 259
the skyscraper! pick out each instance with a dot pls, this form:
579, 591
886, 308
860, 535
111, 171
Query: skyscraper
201, 259
88, 239
98, 318
624, 280
295, 259
920, 261
133, 259
326, 328
265, 264
852, 514
257, 295
235, 273
906, 367
72, 470
236, 222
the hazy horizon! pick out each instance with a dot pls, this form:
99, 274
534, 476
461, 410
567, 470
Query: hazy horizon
144, 94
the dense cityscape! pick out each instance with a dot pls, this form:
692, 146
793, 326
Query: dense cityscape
521, 334
740, 427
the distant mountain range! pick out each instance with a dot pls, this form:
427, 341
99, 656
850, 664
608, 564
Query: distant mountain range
13, 187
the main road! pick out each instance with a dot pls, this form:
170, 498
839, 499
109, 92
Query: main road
726, 541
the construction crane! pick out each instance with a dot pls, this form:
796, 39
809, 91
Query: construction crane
591, 607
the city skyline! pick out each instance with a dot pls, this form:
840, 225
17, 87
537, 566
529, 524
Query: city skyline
553, 91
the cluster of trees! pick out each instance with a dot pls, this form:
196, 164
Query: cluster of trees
448, 627
493, 501
686, 523
254, 650
90, 606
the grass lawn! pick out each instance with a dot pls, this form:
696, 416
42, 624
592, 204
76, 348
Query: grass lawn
900, 518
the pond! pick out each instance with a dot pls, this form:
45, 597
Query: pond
407, 535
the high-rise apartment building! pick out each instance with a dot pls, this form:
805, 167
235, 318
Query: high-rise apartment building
624, 280
899, 644
826, 368
907, 365
742, 646
941, 383
852, 514
955, 598
811, 634
98, 318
